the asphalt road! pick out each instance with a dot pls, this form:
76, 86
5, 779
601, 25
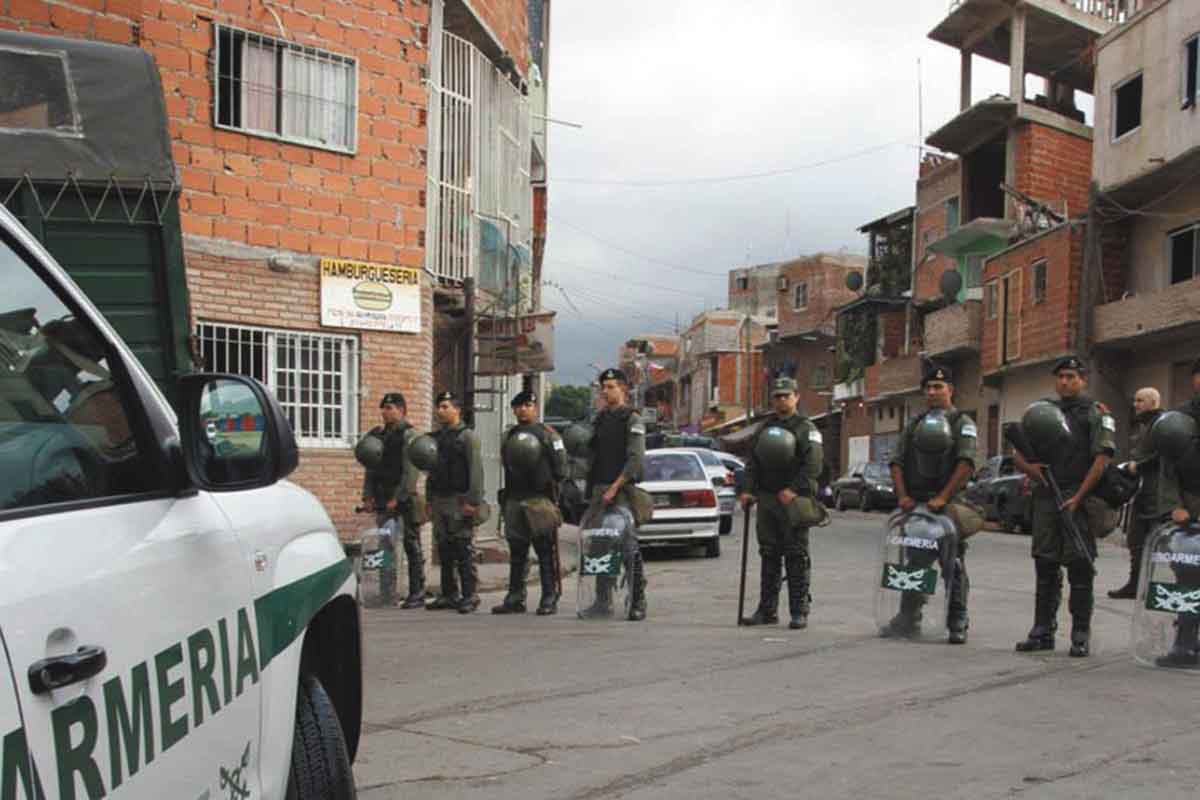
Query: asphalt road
687, 705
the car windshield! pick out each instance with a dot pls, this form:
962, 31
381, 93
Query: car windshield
673, 467
708, 457
876, 472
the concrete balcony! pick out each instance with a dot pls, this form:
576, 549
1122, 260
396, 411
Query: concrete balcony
848, 390
1151, 318
898, 376
954, 330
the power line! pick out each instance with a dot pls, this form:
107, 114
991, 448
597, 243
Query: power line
710, 179
625, 279
623, 307
650, 259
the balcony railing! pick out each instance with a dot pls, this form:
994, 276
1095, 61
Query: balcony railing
1109, 10
847, 390
900, 375
1162, 312
954, 329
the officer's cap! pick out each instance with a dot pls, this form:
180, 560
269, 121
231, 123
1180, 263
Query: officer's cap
524, 397
1070, 362
611, 374
783, 385
937, 372
447, 397
393, 399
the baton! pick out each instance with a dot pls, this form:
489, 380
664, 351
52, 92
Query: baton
745, 551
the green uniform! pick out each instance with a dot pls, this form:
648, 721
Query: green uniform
396, 480
1093, 433
531, 516
456, 481
780, 536
925, 479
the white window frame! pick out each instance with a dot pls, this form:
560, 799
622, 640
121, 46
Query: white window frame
1194, 230
346, 402
280, 114
1141, 107
800, 288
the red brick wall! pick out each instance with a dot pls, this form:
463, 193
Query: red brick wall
1046, 328
246, 291
731, 379
805, 358
856, 421
891, 333
936, 185
508, 20
1053, 166
826, 279
1114, 244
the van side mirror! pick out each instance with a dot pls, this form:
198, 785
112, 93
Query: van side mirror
235, 435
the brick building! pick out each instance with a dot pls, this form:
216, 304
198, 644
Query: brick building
752, 291
301, 133
651, 362
1144, 266
719, 369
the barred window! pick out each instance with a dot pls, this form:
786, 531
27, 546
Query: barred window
283, 90
314, 375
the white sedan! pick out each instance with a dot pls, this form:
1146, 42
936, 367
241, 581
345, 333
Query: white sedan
685, 501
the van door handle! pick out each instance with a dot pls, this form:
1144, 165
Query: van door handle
59, 671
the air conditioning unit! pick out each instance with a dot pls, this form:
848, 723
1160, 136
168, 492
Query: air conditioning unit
783, 283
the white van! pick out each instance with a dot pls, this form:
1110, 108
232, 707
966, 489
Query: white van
177, 620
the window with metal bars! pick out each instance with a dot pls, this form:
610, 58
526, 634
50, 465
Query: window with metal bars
315, 376
274, 88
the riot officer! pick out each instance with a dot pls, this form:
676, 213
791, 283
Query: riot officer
534, 461
455, 489
786, 457
615, 452
390, 489
1148, 509
1079, 436
932, 463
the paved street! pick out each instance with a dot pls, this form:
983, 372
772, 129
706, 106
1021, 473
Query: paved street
687, 705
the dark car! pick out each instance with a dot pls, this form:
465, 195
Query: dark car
1004, 494
865, 486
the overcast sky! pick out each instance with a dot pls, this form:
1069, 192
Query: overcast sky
676, 90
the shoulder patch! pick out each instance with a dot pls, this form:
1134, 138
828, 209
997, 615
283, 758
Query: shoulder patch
1108, 423
638, 430
815, 437
969, 429
557, 444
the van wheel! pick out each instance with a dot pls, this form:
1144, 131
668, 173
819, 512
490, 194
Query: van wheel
320, 763
713, 548
726, 525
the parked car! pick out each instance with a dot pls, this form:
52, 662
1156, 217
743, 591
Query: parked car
685, 501
1004, 494
865, 486
724, 481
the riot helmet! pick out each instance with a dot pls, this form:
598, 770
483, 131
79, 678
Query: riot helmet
369, 451
775, 448
522, 451
1046, 429
578, 439
933, 440
423, 452
1172, 435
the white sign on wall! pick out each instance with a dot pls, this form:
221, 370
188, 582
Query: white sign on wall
377, 297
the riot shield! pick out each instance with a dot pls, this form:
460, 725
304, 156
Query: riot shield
1166, 618
377, 564
603, 575
916, 567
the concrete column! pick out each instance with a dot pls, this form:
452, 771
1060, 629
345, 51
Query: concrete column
1016, 56
964, 81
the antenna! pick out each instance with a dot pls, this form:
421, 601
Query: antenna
920, 117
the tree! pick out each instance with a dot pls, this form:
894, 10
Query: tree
569, 402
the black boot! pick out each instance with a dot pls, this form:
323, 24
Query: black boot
1185, 652
1129, 590
518, 571
907, 622
602, 605
770, 577
957, 621
464, 551
548, 577
637, 588
416, 573
798, 571
448, 596
1045, 608
1080, 603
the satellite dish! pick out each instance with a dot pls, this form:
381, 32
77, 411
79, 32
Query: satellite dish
951, 284
854, 281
